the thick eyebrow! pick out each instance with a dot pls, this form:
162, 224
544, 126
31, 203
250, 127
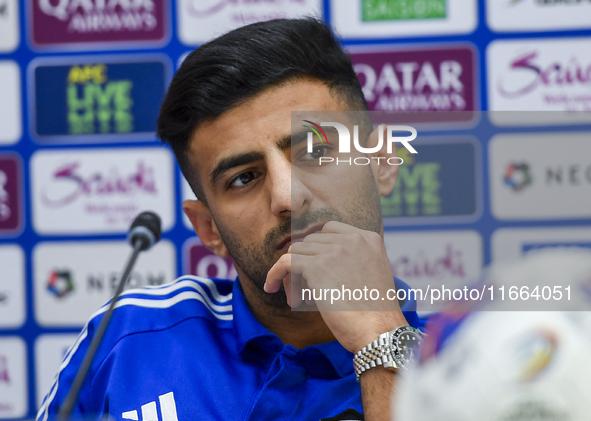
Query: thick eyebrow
302, 135
293, 139
283, 144
233, 161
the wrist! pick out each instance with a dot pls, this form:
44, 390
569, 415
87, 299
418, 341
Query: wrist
374, 332
392, 350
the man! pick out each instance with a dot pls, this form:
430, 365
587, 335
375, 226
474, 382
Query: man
217, 350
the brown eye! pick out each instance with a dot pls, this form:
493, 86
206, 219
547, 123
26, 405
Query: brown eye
242, 179
318, 152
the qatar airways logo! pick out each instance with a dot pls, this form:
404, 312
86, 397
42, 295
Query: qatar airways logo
58, 22
437, 79
344, 137
205, 8
534, 75
68, 184
64, 9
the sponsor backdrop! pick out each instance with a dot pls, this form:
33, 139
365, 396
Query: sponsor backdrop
80, 87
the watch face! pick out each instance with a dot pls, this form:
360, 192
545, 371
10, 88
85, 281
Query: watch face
405, 345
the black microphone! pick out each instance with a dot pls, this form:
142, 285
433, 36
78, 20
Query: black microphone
144, 232
145, 228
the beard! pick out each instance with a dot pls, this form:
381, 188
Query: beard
255, 260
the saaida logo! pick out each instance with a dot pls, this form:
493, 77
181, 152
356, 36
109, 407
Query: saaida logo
376, 10
100, 190
539, 75
553, 73
344, 142
448, 264
68, 183
60, 283
517, 176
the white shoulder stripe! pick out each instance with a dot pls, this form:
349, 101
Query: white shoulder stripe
196, 287
181, 283
149, 303
186, 295
64, 364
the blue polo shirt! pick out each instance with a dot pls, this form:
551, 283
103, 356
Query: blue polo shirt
193, 350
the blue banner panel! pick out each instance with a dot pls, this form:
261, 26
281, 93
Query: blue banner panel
99, 100
439, 183
530, 247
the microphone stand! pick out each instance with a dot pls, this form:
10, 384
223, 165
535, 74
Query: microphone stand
66, 409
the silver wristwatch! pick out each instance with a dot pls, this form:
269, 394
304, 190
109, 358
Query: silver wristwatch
392, 350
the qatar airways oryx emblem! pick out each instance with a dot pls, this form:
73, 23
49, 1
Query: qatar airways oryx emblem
345, 142
150, 412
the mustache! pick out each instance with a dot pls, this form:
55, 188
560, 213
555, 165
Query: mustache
300, 223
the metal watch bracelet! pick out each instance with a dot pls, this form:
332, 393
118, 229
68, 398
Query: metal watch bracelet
374, 354
392, 350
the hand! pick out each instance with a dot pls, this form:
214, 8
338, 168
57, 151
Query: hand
337, 259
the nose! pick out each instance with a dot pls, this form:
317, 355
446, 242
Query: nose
288, 194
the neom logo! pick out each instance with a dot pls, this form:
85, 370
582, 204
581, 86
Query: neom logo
69, 185
98, 282
60, 283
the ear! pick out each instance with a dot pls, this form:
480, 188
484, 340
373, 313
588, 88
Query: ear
205, 227
384, 173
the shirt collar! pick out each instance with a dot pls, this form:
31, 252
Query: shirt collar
246, 326
248, 330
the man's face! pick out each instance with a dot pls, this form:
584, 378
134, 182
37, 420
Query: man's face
260, 191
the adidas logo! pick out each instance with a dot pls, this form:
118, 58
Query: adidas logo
150, 412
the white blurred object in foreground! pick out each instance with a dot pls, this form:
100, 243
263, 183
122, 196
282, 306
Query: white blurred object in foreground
489, 364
